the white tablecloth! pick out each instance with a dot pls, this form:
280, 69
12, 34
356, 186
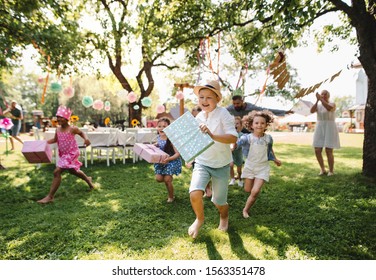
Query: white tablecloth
100, 138
96, 138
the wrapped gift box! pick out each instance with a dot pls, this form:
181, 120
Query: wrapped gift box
37, 151
186, 136
149, 152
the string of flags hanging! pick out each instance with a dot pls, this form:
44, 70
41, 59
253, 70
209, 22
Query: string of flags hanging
308, 90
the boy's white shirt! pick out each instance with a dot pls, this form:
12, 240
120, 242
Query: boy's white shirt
219, 121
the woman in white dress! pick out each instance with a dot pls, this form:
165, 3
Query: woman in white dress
326, 132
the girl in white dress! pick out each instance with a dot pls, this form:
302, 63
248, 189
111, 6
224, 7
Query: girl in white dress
256, 168
326, 132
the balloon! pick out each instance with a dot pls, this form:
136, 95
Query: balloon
146, 102
131, 97
179, 95
55, 87
68, 92
87, 101
98, 104
160, 109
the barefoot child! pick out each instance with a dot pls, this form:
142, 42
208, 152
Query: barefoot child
256, 168
171, 165
214, 163
68, 152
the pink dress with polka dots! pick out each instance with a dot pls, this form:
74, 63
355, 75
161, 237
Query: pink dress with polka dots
68, 150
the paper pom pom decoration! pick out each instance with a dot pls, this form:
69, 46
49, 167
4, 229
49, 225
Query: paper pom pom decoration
87, 101
107, 108
68, 92
179, 95
136, 107
40, 80
131, 97
6, 123
55, 87
160, 109
146, 102
98, 104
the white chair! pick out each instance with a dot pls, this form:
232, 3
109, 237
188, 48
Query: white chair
82, 148
126, 141
36, 133
111, 144
50, 134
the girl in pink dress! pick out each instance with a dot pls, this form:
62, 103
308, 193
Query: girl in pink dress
68, 153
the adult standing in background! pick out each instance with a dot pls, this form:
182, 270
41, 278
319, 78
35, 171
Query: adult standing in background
326, 132
16, 115
241, 108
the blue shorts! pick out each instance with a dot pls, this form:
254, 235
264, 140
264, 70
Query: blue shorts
15, 130
201, 176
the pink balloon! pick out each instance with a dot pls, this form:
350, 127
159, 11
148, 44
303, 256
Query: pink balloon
98, 104
131, 97
179, 95
160, 109
69, 92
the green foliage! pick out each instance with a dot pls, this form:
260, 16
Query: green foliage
298, 215
50, 25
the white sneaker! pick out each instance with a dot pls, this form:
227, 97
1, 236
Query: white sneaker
240, 184
232, 182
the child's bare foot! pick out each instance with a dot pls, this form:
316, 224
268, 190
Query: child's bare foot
170, 199
45, 200
223, 224
245, 214
90, 183
194, 228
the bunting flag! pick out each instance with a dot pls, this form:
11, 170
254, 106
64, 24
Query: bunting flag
306, 91
279, 70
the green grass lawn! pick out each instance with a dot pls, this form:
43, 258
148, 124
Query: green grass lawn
298, 215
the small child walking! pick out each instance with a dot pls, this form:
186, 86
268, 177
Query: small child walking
68, 152
237, 156
171, 165
256, 168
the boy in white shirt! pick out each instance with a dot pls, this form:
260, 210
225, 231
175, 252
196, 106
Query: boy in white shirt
214, 163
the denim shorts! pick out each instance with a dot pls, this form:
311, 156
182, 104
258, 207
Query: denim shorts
15, 130
201, 176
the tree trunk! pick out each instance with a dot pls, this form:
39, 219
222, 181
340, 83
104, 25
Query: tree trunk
369, 145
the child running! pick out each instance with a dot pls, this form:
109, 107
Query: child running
68, 152
256, 168
214, 163
171, 165
237, 156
